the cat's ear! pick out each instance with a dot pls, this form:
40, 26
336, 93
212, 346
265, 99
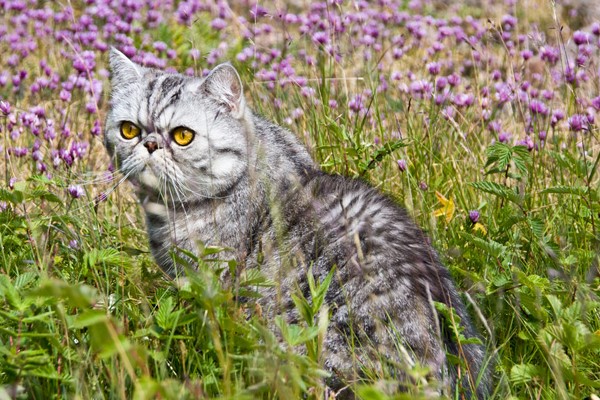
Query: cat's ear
123, 70
225, 86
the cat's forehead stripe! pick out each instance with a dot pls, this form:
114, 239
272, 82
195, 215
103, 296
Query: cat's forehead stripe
159, 97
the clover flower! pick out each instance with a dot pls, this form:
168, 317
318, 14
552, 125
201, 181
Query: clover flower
4, 107
578, 123
402, 166
474, 216
75, 191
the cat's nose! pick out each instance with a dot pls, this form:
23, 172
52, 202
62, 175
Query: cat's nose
151, 145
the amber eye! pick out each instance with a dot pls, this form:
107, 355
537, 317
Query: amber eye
182, 136
129, 130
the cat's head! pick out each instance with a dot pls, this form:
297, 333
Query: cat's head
177, 135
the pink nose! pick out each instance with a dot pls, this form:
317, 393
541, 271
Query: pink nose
151, 145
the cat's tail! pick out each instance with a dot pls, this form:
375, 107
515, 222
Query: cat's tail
470, 369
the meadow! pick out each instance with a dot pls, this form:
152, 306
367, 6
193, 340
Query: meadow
481, 121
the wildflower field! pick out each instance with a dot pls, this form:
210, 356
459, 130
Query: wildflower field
481, 120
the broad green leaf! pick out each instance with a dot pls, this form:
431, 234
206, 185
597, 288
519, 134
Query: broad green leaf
524, 373
498, 190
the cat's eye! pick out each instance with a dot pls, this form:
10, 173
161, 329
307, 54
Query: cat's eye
182, 136
129, 130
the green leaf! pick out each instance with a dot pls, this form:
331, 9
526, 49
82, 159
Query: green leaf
76, 295
574, 190
378, 155
371, 393
43, 194
498, 190
165, 316
90, 317
10, 293
14, 196
108, 256
490, 246
303, 307
537, 227
521, 158
498, 153
24, 279
524, 373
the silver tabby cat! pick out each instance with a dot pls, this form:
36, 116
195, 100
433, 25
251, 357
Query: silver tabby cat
207, 169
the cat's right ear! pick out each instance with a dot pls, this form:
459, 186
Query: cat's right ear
123, 70
224, 85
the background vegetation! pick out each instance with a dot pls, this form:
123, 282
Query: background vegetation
480, 120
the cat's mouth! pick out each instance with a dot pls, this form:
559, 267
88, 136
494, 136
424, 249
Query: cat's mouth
148, 178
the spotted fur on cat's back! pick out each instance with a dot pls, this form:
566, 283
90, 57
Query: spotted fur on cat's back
206, 168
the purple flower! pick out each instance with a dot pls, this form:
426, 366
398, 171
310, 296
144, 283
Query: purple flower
84, 62
75, 191
508, 22
320, 38
557, 115
90, 107
160, 46
356, 104
547, 94
218, 24
4, 107
474, 216
527, 142
550, 54
423, 186
421, 87
100, 198
73, 244
463, 99
596, 103
504, 137
65, 95
526, 54
434, 68
449, 112
402, 165
96, 129
503, 93
580, 37
578, 122
538, 107
590, 116
453, 80
441, 82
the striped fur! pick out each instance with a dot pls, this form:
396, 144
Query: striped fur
248, 185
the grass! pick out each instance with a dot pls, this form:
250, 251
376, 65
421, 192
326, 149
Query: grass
85, 313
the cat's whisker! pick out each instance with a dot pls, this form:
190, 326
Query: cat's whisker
195, 193
98, 181
104, 195
176, 188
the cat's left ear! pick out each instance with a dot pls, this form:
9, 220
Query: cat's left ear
123, 70
224, 85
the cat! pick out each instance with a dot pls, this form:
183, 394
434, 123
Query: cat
207, 169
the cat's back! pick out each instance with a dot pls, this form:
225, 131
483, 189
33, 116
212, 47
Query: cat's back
386, 272
349, 208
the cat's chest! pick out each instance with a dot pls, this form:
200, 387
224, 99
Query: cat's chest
190, 225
